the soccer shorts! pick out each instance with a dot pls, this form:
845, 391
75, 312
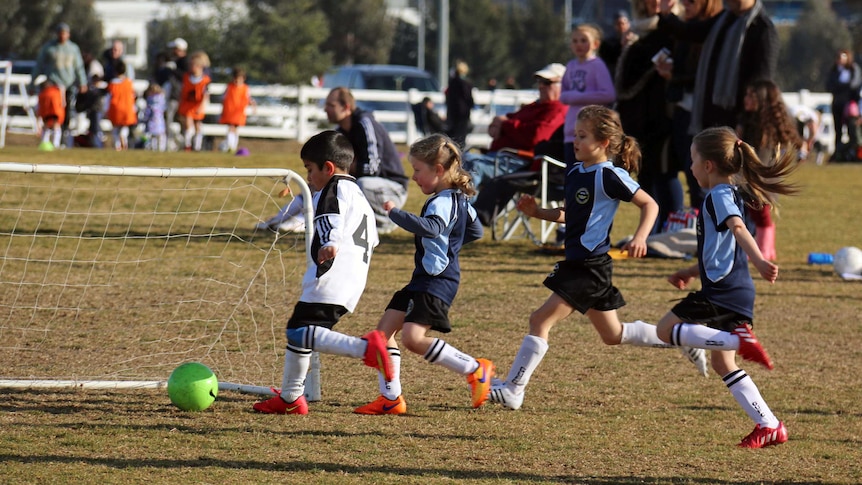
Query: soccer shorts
422, 308
586, 284
695, 308
320, 314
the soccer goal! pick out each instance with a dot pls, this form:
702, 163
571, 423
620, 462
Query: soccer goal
5, 72
111, 277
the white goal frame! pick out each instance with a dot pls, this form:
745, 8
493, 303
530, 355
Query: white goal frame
312, 389
6, 72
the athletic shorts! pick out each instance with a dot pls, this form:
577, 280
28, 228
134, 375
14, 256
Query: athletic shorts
695, 308
422, 308
586, 284
320, 314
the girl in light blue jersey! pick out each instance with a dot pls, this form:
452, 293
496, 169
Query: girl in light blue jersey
719, 316
446, 223
594, 187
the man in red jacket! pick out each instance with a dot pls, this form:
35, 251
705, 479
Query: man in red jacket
521, 130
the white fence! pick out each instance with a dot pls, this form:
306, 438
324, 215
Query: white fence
296, 112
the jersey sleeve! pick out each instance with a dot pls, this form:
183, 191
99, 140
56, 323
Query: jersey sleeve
724, 207
618, 184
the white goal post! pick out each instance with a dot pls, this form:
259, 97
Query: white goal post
113, 276
5, 72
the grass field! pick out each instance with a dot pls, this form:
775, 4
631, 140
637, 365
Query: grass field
593, 414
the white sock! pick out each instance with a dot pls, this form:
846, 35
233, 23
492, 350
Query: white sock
748, 396
199, 141
163, 142
445, 355
232, 141
642, 334
46, 134
392, 389
332, 342
124, 136
187, 139
58, 136
703, 337
115, 135
526, 361
296, 363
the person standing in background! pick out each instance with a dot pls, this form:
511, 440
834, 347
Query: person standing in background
61, 62
459, 104
844, 81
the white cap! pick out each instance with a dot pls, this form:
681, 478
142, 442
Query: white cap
551, 72
179, 43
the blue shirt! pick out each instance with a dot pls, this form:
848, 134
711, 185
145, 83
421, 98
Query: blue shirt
446, 223
724, 275
593, 195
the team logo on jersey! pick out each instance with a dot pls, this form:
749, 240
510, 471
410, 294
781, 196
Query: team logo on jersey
582, 196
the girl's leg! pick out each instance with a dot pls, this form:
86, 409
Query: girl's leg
768, 429
390, 400
535, 345
199, 136
188, 132
671, 329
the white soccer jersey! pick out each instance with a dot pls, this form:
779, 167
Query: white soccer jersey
344, 219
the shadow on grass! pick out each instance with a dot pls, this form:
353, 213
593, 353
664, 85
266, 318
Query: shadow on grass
401, 472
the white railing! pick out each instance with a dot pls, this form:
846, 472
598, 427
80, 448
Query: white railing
296, 112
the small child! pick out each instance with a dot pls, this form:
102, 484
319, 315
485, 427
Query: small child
446, 223
586, 81
154, 118
344, 237
52, 112
594, 187
122, 112
236, 99
193, 101
719, 317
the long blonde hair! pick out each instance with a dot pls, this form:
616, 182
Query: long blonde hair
439, 149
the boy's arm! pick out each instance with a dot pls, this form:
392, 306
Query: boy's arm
766, 268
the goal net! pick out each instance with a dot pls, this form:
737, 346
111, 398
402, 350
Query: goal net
113, 276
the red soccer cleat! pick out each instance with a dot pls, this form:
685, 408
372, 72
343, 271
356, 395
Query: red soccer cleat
277, 405
750, 348
762, 437
376, 354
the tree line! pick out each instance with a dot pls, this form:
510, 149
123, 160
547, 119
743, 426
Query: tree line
289, 41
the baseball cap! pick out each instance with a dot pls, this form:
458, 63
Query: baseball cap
179, 43
62, 27
551, 72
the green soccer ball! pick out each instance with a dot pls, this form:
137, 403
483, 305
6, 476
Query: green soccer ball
192, 387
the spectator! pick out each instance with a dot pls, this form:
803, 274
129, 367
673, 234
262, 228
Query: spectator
459, 104
586, 81
612, 47
236, 99
194, 97
178, 65
61, 62
740, 45
521, 130
430, 120
645, 113
679, 71
121, 107
377, 164
112, 57
844, 81
808, 126
92, 104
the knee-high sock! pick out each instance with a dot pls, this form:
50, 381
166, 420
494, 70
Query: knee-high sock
199, 141
445, 355
187, 138
58, 136
642, 334
329, 341
703, 337
296, 362
526, 361
392, 389
748, 396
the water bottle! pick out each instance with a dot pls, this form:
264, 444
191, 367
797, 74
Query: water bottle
819, 258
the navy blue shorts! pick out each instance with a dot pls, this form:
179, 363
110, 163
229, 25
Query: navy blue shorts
695, 308
422, 308
586, 284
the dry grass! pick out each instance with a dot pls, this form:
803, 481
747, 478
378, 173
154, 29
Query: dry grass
593, 414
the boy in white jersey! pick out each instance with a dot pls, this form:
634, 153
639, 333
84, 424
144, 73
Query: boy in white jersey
345, 235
